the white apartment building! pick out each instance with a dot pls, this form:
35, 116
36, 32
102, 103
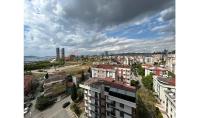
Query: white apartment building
170, 104
162, 84
159, 71
108, 98
103, 71
148, 60
170, 63
112, 71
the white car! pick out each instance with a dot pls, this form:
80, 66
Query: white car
26, 110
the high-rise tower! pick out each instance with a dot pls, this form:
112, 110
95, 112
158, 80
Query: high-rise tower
62, 54
57, 54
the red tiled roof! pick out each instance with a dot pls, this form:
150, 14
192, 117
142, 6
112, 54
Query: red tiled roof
107, 66
104, 66
168, 81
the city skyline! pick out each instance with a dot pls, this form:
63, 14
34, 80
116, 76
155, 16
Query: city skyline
98, 26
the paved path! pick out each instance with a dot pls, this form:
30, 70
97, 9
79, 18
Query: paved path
55, 111
52, 70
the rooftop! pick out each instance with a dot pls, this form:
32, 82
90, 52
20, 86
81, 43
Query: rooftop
166, 80
110, 82
108, 66
54, 78
157, 68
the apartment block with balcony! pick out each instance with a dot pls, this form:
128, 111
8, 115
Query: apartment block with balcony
108, 98
170, 103
112, 71
162, 84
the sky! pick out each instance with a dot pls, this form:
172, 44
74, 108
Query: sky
86, 27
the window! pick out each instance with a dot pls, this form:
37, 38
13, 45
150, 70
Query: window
106, 89
121, 114
107, 113
171, 109
96, 94
121, 105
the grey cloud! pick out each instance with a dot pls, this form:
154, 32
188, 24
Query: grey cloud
111, 12
81, 23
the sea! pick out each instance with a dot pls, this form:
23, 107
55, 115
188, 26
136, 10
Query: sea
31, 59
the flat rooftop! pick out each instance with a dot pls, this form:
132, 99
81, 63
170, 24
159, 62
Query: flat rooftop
167, 81
110, 82
110, 66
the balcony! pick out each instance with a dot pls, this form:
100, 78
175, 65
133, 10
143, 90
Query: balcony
112, 113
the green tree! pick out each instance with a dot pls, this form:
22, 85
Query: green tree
148, 82
43, 102
134, 83
158, 114
74, 93
46, 76
76, 109
171, 74
82, 77
34, 86
90, 71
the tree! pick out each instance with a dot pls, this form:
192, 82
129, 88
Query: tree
46, 76
80, 95
34, 85
76, 109
90, 71
158, 113
83, 77
148, 81
171, 74
134, 83
43, 102
74, 93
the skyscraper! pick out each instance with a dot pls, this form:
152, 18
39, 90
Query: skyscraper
57, 54
106, 53
62, 54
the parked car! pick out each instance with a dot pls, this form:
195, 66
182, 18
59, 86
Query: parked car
65, 104
26, 110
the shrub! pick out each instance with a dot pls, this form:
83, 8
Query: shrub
43, 102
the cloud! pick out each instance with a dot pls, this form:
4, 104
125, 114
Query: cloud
167, 14
111, 12
82, 24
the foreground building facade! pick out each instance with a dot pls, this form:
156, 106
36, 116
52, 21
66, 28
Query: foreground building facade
107, 98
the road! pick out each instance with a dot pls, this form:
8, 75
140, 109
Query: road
55, 111
52, 70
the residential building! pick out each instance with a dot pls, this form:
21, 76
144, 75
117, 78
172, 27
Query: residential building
148, 60
162, 84
170, 63
119, 72
103, 71
27, 84
107, 98
170, 103
158, 71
